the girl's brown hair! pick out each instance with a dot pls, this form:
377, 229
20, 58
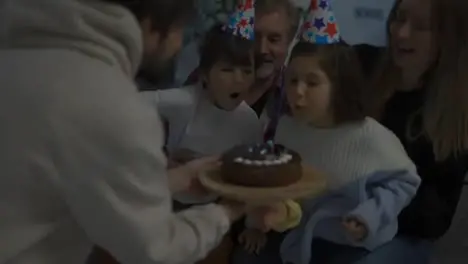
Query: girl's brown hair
445, 109
341, 64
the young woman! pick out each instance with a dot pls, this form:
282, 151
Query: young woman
421, 96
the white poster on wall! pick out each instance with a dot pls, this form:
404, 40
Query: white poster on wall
363, 21
360, 21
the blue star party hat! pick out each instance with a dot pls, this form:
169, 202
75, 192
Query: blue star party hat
320, 25
241, 22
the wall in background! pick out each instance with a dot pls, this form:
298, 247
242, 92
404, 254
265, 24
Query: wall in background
210, 12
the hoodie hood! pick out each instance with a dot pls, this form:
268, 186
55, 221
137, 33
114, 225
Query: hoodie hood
100, 30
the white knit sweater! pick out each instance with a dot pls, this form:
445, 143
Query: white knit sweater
369, 176
345, 153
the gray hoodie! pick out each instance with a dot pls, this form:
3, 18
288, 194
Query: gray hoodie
80, 154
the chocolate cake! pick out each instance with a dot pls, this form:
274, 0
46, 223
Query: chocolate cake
261, 165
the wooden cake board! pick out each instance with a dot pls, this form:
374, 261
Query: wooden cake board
311, 184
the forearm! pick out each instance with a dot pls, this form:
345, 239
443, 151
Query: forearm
175, 176
149, 232
385, 202
199, 230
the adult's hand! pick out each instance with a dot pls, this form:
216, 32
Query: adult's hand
186, 178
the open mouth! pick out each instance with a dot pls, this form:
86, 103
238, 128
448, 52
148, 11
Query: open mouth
266, 63
263, 58
263, 61
234, 95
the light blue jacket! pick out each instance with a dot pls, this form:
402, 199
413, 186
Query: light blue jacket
376, 199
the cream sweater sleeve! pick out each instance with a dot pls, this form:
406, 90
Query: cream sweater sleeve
113, 177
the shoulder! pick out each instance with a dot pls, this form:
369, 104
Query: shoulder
178, 97
100, 101
79, 101
384, 146
83, 85
380, 133
185, 95
174, 101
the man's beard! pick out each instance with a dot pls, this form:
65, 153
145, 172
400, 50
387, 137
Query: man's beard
266, 67
156, 70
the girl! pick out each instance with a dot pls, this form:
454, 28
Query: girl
370, 177
211, 116
421, 96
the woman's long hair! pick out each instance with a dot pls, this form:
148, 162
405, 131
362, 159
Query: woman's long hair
445, 109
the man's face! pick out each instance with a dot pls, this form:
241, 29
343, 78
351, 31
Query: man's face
272, 38
159, 50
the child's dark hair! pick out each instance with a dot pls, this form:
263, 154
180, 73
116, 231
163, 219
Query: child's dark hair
219, 45
342, 66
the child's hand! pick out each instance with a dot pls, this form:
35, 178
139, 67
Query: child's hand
267, 217
355, 228
253, 240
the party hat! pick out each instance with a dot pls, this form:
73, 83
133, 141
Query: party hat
320, 25
241, 22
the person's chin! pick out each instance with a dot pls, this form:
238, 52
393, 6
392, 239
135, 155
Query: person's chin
232, 106
227, 106
265, 71
300, 115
